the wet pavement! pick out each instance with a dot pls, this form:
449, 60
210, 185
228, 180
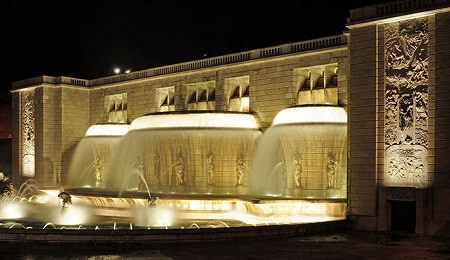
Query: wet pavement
357, 245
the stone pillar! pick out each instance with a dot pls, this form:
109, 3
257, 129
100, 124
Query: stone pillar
363, 124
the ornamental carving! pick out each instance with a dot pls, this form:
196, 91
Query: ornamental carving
406, 103
27, 133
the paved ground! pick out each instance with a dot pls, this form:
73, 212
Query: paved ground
360, 245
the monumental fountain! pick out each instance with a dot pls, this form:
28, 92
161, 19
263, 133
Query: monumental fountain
195, 170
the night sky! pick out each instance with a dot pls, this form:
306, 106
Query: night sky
88, 39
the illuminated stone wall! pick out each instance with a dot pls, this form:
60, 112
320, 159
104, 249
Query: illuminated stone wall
238, 90
399, 114
48, 122
406, 103
200, 96
317, 84
362, 127
66, 111
392, 79
116, 108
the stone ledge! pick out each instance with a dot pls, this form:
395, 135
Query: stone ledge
158, 236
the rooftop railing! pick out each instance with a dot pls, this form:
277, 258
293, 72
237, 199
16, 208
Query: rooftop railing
303, 46
394, 8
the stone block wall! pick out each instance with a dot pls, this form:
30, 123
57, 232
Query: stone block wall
63, 108
440, 121
397, 60
74, 120
362, 127
271, 85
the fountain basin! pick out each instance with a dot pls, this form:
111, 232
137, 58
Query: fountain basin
102, 210
159, 236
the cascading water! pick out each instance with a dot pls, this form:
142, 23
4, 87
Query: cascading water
92, 157
195, 152
200, 169
303, 154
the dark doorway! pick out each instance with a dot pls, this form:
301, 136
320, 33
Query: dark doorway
403, 216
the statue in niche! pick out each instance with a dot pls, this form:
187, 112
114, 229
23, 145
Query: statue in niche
210, 168
157, 168
179, 171
240, 171
297, 165
332, 168
98, 172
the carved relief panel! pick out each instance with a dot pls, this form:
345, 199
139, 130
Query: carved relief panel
27, 138
406, 103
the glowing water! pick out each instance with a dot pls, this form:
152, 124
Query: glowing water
92, 157
195, 153
303, 154
209, 169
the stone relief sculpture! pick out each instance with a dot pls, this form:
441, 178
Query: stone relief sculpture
179, 170
98, 167
240, 171
28, 130
141, 172
101, 162
406, 102
157, 168
297, 164
210, 169
332, 171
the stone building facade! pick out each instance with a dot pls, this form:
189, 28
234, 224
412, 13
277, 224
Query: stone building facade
398, 116
389, 71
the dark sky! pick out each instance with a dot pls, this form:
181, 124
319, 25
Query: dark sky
87, 39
